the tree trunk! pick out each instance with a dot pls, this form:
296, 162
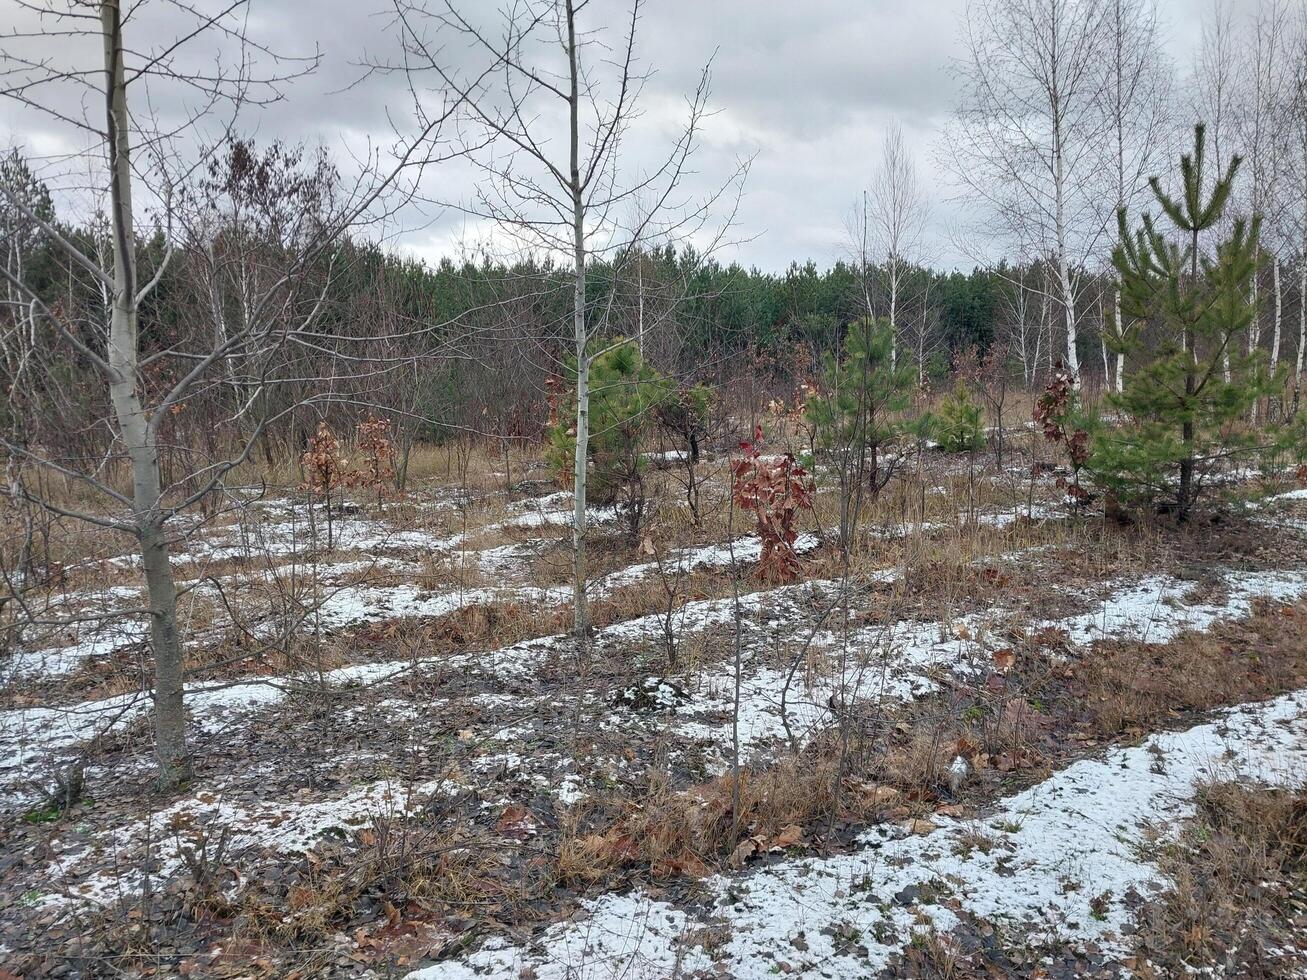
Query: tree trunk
894, 314
1279, 313
580, 608
1185, 497
1120, 355
1102, 345
1063, 266
138, 435
1302, 331
1255, 328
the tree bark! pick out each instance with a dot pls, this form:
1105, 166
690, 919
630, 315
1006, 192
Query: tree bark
1190, 383
1120, 355
1279, 312
1302, 331
580, 607
139, 437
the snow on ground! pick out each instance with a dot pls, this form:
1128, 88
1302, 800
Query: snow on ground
159, 840
1154, 609
746, 550
100, 641
1065, 858
894, 664
886, 664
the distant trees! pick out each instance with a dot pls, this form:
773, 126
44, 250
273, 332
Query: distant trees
1028, 140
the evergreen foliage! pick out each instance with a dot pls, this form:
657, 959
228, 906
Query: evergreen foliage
958, 425
1181, 413
860, 411
626, 395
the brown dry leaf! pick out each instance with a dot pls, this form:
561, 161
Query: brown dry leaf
951, 810
1004, 660
367, 837
961, 631
515, 821
744, 850
788, 836
918, 826
874, 794
647, 546
686, 865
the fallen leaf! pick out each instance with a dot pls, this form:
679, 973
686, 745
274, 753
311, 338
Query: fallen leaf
788, 836
744, 850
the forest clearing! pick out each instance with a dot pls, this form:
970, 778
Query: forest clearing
445, 534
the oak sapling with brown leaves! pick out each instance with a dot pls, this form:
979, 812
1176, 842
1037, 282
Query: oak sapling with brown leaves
1058, 418
326, 469
377, 473
774, 489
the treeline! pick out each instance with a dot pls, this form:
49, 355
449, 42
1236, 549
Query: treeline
467, 347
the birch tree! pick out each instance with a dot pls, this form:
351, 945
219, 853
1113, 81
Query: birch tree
1029, 133
898, 215
546, 112
1296, 181
1136, 100
1260, 92
148, 382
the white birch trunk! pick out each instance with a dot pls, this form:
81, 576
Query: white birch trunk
1120, 355
1302, 331
580, 607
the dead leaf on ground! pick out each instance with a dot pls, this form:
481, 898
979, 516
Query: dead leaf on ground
788, 837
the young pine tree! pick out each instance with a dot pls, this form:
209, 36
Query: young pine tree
625, 394
860, 413
1181, 414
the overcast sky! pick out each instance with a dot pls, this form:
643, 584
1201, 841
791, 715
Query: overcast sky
804, 88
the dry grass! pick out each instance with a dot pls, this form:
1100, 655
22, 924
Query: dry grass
1135, 687
671, 833
1236, 896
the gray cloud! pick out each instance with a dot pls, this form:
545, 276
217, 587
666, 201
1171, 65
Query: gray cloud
806, 88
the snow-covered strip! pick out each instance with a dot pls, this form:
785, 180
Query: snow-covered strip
353, 605
56, 661
283, 826
1066, 857
886, 664
29, 735
1155, 610
742, 551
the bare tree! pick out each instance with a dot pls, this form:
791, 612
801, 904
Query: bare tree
1296, 194
898, 214
148, 375
1137, 104
1260, 90
1030, 130
1215, 88
546, 114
